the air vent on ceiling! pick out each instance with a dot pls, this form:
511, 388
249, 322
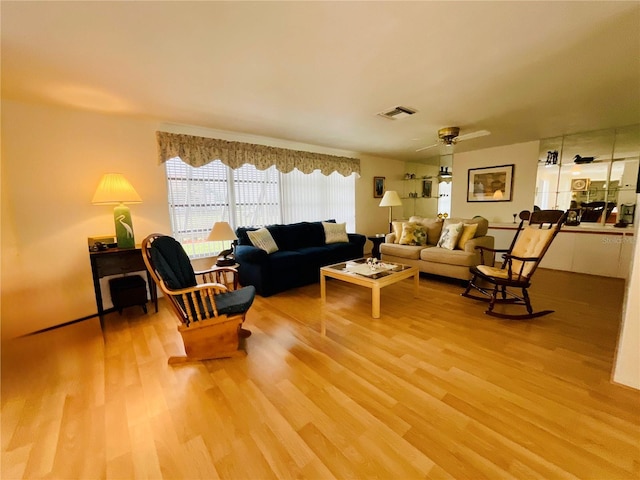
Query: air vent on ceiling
397, 113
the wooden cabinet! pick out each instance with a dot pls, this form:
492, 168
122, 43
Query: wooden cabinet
605, 251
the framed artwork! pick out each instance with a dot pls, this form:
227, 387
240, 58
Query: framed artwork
378, 187
580, 184
490, 184
426, 188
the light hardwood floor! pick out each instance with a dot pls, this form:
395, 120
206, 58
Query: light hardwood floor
433, 389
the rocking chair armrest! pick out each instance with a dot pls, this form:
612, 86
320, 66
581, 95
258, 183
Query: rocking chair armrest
227, 276
216, 287
508, 256
492, 251
216, 269
517, 276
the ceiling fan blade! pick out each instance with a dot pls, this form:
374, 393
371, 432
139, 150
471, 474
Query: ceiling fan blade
468, 136
426, 148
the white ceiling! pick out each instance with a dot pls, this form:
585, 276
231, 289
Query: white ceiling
318, 72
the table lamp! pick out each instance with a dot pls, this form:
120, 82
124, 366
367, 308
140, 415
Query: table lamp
221, 232
390, 199
114, 189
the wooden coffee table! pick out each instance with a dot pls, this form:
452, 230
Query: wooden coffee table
375, 280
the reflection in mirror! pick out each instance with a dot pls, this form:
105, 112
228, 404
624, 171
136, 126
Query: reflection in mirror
594, 173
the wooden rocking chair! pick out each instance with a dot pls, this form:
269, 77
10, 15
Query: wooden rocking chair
211, 314
521, 260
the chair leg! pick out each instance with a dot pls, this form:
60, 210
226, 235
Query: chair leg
492, 302
527, 302
472, 284
503, 291
469, 286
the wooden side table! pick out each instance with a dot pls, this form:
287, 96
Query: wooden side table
377, 241
115, 261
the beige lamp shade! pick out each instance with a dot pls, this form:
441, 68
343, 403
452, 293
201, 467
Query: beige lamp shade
221, 231
390, 199
114, 189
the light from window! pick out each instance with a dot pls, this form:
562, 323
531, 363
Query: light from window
200, 196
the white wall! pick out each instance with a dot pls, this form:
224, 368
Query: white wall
627, 367
525, 158
52, 161
370, 217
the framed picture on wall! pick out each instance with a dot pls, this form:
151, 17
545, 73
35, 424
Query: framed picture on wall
580, 184
490, 184
426, 188
378, 187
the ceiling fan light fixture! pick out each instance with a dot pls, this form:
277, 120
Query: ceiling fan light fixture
448, 135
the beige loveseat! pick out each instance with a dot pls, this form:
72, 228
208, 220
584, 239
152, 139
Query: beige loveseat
437, 260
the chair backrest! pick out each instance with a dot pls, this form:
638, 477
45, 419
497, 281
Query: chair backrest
167, 262
169, 267
533, 240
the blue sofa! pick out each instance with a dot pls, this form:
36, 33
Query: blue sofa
301, 252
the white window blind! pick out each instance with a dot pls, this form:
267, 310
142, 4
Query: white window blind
246, 196
316, 197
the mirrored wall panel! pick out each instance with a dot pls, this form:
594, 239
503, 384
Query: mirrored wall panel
593, 173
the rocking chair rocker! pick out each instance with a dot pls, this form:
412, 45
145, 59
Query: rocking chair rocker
521, 260
211, 314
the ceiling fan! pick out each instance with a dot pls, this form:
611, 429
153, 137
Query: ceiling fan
451, 135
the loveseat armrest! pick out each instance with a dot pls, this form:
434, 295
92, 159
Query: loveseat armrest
483, 247
390, 238
250, 254
357, 239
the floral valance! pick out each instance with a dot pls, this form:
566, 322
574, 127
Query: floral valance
198, 151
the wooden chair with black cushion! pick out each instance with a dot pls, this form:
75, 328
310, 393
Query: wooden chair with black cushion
211, 314
498, 285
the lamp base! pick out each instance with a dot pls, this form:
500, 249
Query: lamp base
124, 226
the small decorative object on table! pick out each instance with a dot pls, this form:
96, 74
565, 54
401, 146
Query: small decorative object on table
373, 263
573, 218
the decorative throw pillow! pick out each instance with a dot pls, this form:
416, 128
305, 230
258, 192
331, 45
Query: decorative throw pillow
449, 235
468, 232
263, 240
335, 232
413, 234
397, 230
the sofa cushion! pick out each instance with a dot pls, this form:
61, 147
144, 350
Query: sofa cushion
449, 257
335, 232
242, 234
413, 234
289, 237
433, 227
468, 232
404, 251
449, 236
397, 230
263, 240
282, 261
483, 224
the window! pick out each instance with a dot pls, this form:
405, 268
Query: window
246, 196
